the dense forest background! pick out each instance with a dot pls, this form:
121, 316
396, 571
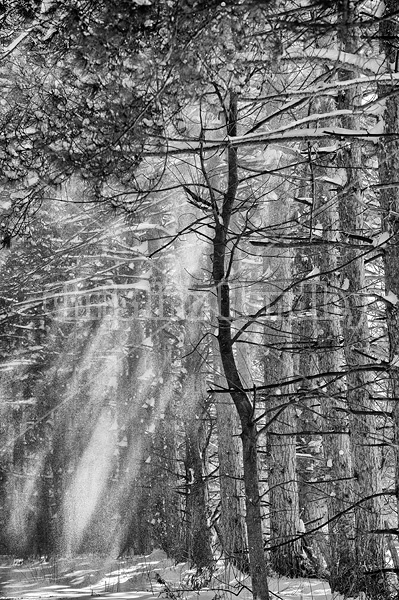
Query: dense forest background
199, 326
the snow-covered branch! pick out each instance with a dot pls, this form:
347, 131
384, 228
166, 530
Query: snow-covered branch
363, 64
288, 134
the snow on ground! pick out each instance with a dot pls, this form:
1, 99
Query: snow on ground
138, 577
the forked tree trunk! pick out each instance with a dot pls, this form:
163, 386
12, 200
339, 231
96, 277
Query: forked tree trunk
244, 407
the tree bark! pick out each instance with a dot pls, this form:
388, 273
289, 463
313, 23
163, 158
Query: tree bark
310, 458
244, 407
232, 525
198, 534
285, 548
336, 443
369, 547
388, 154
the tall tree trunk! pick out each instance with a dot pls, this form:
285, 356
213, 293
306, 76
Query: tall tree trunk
310, 458
244, 407
389, 202
285, 551
337, 450
369, 546
232, 497
310, 467
231, 524
198, 544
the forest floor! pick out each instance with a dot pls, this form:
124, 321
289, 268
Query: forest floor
137, 578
